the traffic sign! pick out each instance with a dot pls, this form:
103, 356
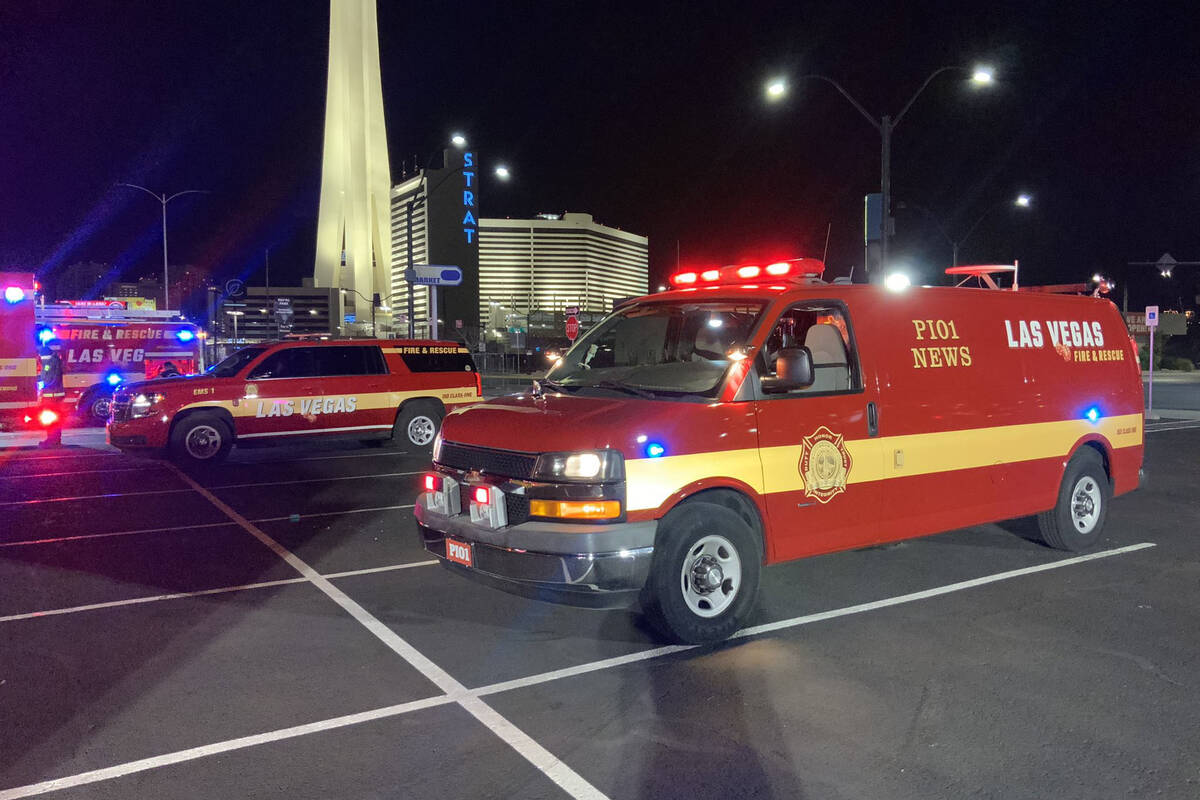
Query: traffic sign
571, 310
1151, 316
434, 275
572, 327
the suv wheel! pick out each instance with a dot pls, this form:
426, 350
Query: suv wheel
704, 575
99, 408
417, 426
201, 439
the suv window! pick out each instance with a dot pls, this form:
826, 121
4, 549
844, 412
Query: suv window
293, 362
824, 328
438, 359
349, 360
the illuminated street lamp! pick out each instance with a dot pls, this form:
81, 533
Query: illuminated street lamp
164, 199
1021, 201
458, 140
502, 172
980, 76
1024, 200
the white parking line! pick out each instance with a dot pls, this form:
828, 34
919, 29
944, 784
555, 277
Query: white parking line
133, 601
314, 480
551, 766
108, 495
288, 518
80, 536
533, 680
74, 472
192, 753
1171, 426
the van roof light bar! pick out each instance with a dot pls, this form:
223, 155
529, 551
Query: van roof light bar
983, 273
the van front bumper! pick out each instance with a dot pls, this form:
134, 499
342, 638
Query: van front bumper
595, 566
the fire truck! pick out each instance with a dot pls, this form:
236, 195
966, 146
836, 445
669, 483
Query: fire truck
101, 343
756, 414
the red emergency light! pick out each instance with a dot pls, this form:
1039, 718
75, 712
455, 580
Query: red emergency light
47, 417
432, 484
792, 269
481, 495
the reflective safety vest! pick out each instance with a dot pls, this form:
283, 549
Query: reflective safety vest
51, 376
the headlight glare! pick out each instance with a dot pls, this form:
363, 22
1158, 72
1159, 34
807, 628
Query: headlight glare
592, 465
143, 404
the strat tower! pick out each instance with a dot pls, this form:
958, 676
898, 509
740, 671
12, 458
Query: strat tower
353, 225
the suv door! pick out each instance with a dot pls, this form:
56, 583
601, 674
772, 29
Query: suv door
281, 392
821, 470
354, 389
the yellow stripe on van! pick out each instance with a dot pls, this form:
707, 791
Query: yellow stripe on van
650, 481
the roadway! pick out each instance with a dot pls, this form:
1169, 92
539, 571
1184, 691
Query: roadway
271, 628
1175, 391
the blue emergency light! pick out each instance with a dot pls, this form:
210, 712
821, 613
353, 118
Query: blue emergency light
13, 294
655, 450
1092, 414
185, 335
44, 335
113, 378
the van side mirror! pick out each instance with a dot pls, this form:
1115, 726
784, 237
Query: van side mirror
793, 370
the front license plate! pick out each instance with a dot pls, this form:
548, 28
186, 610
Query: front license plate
458, 552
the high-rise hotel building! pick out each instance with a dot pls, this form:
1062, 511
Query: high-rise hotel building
548, 263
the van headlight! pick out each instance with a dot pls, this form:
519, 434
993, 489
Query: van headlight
143, 404
437, 445
594, 466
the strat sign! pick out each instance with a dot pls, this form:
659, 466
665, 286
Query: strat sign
470, 223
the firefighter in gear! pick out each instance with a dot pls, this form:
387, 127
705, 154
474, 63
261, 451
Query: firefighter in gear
51, 380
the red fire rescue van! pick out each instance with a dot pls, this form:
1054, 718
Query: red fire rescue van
372, 390
756, 414
104, 345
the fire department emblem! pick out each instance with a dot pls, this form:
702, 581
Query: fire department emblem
824, 464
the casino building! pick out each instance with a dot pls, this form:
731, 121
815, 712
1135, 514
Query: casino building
511, 267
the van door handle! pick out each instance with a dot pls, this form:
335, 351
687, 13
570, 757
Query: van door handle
872, 419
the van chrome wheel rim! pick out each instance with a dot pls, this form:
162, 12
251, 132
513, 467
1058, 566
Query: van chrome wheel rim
1085, 504
421, 431
711, 576
203, 442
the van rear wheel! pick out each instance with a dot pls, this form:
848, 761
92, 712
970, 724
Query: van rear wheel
1077, 519
704, 574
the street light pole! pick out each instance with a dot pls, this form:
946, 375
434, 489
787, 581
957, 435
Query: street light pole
164, 199
885, 125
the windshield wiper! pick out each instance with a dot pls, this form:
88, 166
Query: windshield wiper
621, 387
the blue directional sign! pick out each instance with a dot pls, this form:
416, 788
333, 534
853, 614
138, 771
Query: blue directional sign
434, 275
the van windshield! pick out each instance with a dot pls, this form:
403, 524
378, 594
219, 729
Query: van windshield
234, 363
658, 350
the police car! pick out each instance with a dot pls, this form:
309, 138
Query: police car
756, 414
370, 390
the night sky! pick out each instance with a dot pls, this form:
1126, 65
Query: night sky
651, 117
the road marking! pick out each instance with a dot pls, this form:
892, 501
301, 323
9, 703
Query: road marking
180, 756
1172, 426
73, 472
152, 599
314, 480
936, 592
110, 495
191, 754
82, 536
203, 592
373, 570
333, 513
550, 766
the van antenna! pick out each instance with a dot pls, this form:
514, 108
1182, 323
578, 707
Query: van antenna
825, 255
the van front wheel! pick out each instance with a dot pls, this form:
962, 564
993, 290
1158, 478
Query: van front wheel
1077, 519
704, 574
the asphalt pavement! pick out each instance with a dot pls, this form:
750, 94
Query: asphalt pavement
271, 629
1176, 394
